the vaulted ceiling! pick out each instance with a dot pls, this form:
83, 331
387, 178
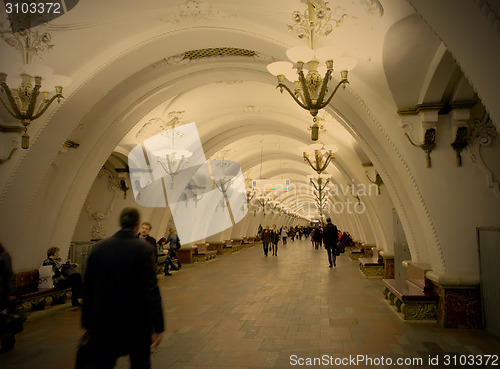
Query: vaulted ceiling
136, 66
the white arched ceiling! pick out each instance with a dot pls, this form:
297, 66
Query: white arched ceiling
120, 86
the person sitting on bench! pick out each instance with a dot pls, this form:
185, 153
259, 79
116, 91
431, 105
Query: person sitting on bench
169, 263
65, 274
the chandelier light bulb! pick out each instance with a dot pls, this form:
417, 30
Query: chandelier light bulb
345, 64
291, 75
36, 70
280, 67
50, 82
328, 53
331, 147
300, 53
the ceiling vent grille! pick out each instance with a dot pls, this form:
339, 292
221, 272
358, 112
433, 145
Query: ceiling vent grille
220, 51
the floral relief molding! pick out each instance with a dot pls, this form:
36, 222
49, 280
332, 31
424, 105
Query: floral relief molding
482, 134
98, 217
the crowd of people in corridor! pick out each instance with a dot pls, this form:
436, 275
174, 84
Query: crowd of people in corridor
326, 235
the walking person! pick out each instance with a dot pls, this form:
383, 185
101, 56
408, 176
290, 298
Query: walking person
175, 244
284, 234
259, 232
275, 237
122, 309
316, 237
330, 239
266, 238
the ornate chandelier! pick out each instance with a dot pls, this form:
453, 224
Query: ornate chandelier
311, 68
21, 101
320, 183
172, 159
321, 156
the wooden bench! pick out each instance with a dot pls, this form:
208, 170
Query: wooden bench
414, 296
33, 298
372, 266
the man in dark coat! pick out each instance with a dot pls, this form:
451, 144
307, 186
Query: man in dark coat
266, 239
330, 239
121, 301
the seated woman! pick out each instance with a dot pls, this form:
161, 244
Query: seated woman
169, 263
64, 274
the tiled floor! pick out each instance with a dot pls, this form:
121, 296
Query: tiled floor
246, 310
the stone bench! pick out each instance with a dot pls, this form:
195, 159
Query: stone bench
413, 297
33, 298
247, 241
185, 254
361, 251
215, 246
202, 254
356, 253
372, 266
231, 246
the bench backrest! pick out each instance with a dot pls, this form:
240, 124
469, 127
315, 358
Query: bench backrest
26, 281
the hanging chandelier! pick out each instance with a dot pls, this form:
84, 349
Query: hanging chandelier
22, 100
31, 79
171, 158
320, 183
318, 156
172, 161
263, 202
311, 68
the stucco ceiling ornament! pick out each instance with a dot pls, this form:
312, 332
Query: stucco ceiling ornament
113, 185
194, 10
158, 124
482, 134
30, 43
251, 109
